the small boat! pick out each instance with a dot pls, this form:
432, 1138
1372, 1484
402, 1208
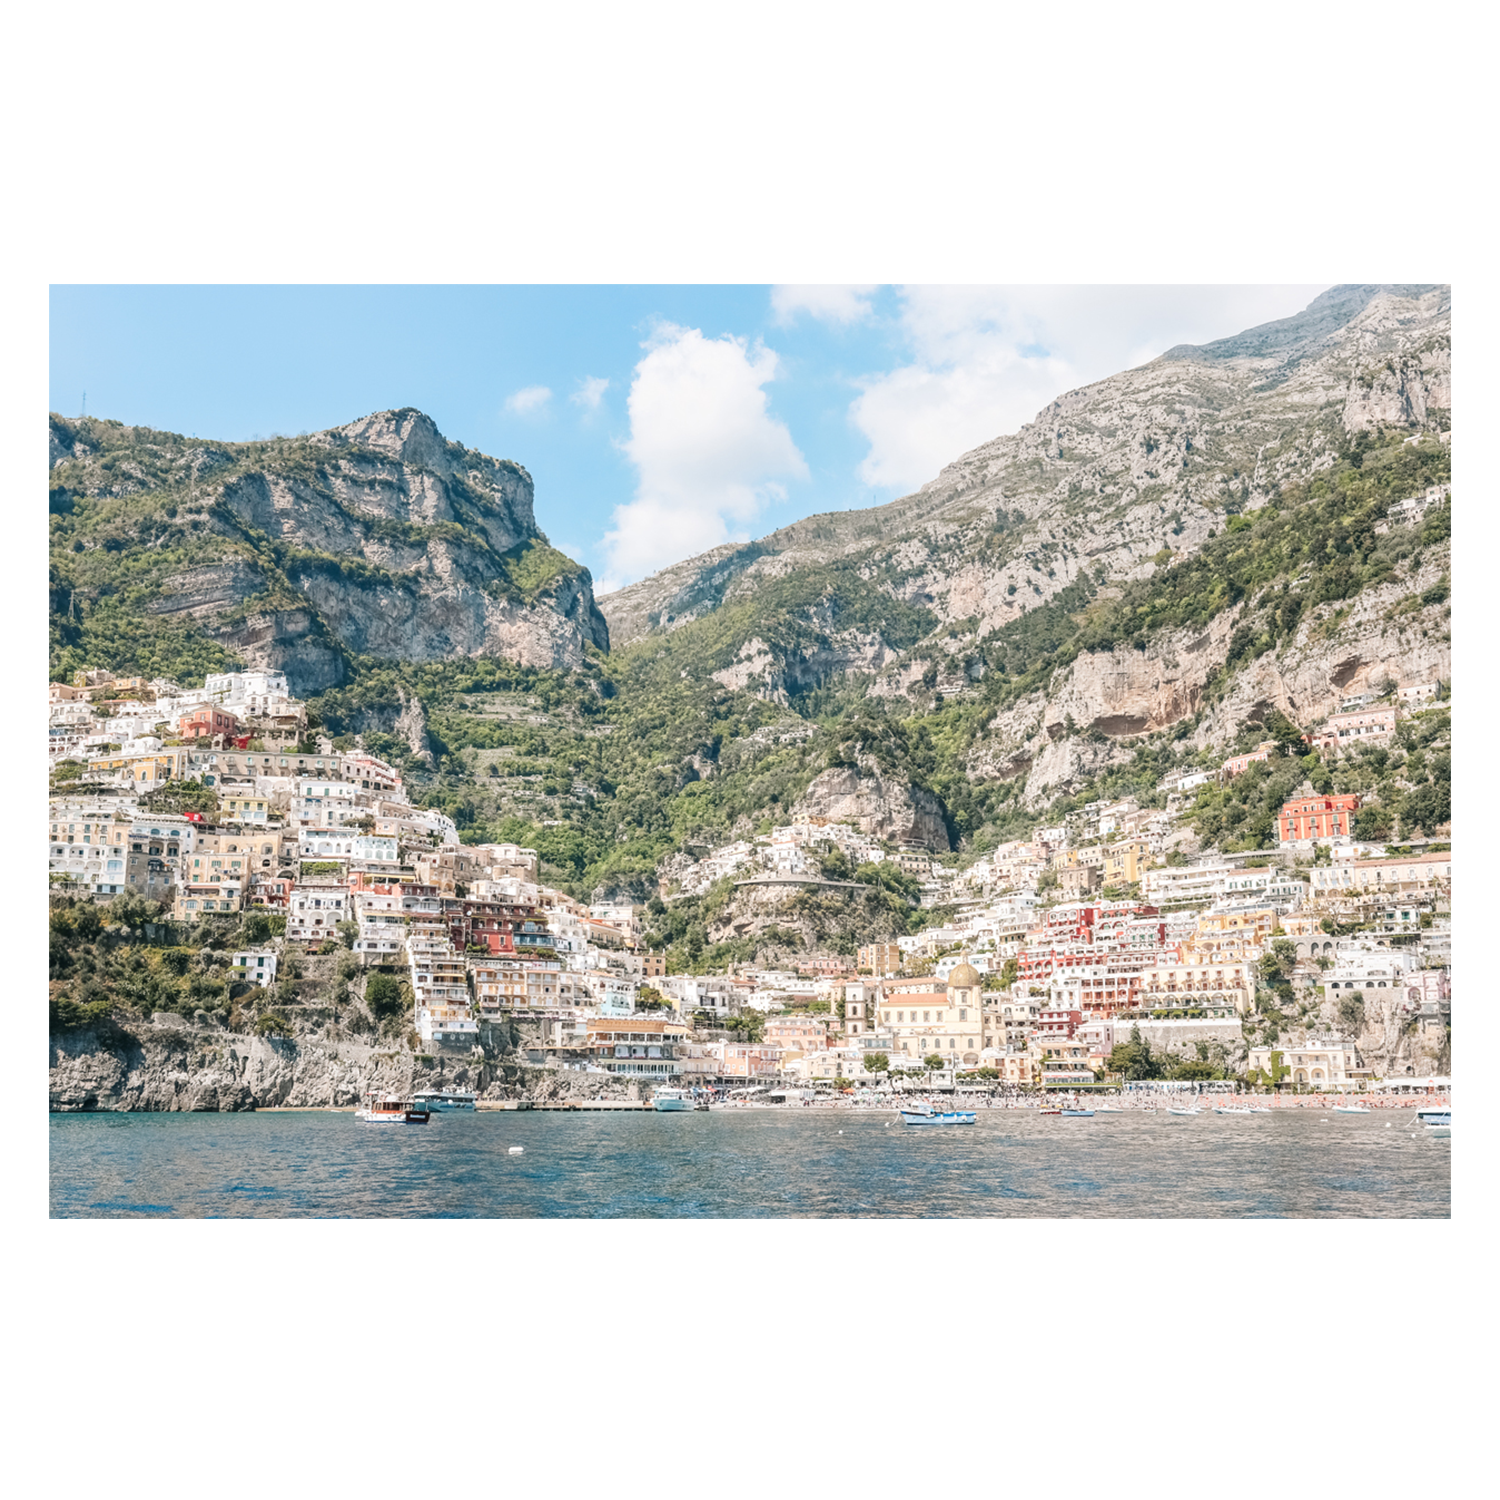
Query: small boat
1232, 1109
449, 1098
393, 1109
1261, 1109
1078, 1114
925, 1114
669, 1101
1350, 1109
1438, 1115
1049, 1111
1195, 1111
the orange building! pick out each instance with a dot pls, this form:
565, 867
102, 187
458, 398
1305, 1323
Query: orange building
207, 721
1318, 817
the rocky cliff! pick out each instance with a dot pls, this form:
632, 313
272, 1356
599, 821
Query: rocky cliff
174, 1064
379, 538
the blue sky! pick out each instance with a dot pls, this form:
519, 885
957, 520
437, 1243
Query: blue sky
656, 421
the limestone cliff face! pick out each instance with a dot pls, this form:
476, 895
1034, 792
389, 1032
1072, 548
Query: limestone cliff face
1123, 693
884, 807
379, 538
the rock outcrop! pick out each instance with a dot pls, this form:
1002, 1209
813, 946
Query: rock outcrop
378, 538
883, 807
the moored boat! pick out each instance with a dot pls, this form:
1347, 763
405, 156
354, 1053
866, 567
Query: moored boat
1193, 1111
669, 1101
925, 1114
392, 1109
1078, 1114
448, 1098
1232, 1109
1350, 1109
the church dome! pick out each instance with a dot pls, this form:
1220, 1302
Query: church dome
964, 977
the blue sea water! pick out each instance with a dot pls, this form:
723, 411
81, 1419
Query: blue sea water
750, 1164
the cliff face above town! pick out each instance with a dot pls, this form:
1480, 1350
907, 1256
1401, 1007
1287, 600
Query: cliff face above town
379, 538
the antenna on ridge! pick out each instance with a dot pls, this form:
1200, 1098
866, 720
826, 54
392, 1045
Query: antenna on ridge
84, 411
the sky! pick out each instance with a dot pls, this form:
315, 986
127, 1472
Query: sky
655, 421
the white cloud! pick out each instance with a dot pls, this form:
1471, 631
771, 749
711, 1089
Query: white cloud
526, 402
708, 454
830, 304
590, 392
987, 359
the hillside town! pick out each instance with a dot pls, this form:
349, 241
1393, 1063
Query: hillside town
1093, 953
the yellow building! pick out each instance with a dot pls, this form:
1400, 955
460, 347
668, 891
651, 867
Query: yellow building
244, 809
1125, 862
153, 766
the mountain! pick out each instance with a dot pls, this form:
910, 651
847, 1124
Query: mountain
1017, 554
376, 539
1164, 565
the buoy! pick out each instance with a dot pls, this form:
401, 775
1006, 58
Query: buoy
1387, 1124
515, 1151
841, 1132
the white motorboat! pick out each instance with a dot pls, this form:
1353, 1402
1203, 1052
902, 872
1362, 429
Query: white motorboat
392, 1109
449, 1098
1350, 1109
1437, 1121
1192, 1111
1232, 1109
670, 1101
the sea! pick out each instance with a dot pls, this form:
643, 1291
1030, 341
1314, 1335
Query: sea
750, 1164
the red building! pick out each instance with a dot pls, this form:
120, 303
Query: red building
1318, 817
207, 723
1059, 1022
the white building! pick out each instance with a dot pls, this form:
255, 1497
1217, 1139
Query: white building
258, 965
315, 909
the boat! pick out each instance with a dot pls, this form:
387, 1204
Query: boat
1350, 1109
669, 1101
1232, 1109
925, 1114
392, 1109
1261, 1109
449, 1098
1078, 1114
1437, 1115
1193, 1111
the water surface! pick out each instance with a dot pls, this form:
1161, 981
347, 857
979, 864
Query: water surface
751, 1164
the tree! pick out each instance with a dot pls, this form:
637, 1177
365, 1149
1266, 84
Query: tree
1195, 1071
1133, 1060
877, 1062
747, 1026
1009, 973
648, 997
383, 997
347, 932
933, 1060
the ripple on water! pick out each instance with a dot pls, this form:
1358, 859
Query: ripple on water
758, 1164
